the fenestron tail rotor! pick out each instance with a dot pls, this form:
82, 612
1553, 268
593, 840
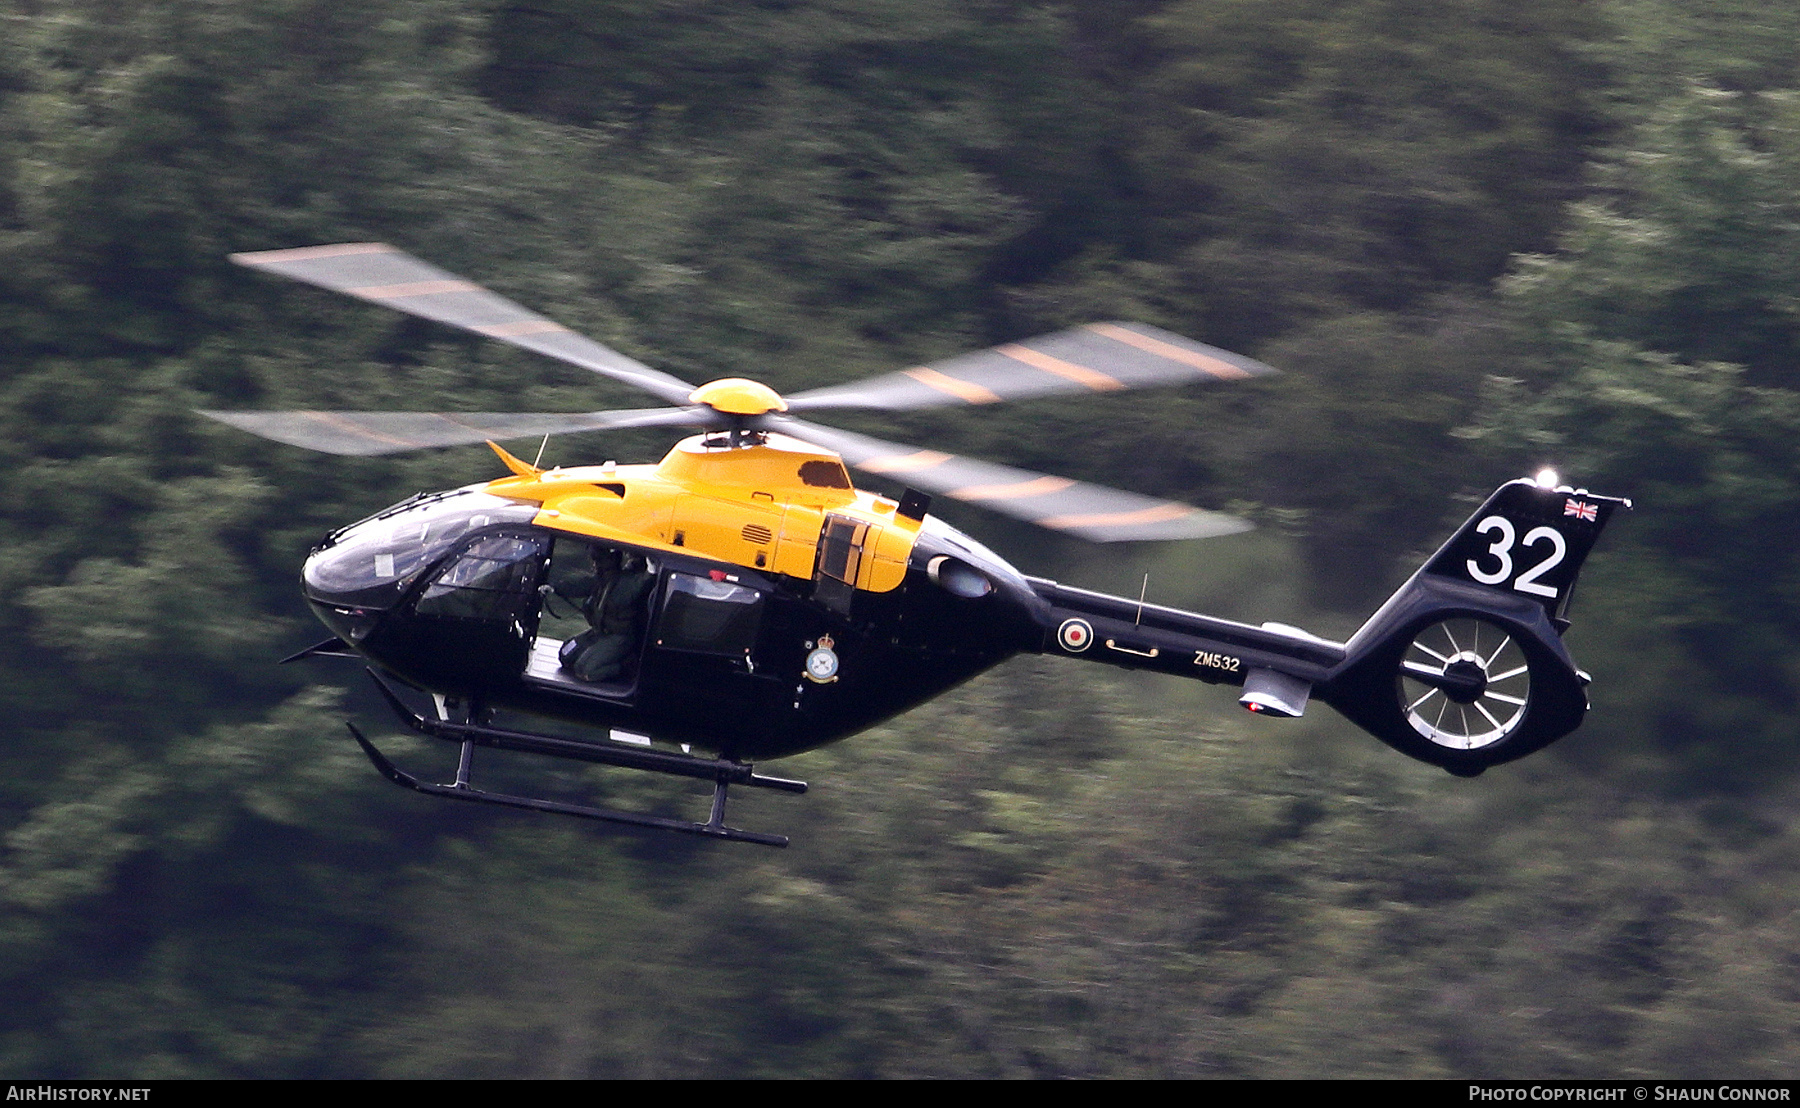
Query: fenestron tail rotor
1101, 357
1464, 683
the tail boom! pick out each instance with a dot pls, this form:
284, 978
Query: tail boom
1464, 667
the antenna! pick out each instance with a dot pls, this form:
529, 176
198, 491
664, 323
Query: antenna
540, 456
1138, 622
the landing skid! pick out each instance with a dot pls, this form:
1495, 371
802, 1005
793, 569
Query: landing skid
722, 773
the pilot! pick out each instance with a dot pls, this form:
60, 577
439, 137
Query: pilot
614, 611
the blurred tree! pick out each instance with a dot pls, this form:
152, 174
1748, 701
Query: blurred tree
1692, 245
1660, 333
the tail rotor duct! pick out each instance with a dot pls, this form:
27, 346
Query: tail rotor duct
1464, 684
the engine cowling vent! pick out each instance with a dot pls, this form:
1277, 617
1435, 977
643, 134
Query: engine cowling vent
758, 534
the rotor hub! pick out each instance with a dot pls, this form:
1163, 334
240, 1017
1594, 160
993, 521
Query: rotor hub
1467, 680
738, 396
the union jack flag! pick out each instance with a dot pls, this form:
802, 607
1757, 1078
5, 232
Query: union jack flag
1581, 509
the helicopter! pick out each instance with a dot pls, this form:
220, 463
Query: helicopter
742, 600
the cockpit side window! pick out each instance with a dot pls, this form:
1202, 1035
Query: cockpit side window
493, 578
374, 561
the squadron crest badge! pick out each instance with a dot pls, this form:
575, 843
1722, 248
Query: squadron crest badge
822, 663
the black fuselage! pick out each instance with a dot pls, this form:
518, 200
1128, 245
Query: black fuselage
463, 595
737, 683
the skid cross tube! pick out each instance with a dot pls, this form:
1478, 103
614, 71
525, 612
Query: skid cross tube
713, 829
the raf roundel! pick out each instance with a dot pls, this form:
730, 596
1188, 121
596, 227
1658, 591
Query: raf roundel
1075, 635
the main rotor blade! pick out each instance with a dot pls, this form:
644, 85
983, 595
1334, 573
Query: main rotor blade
1093, 512
365, 433
381, 274
1100, 357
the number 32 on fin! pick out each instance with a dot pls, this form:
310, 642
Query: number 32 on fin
1501, 550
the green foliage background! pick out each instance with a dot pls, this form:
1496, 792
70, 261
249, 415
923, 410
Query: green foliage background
1479, 236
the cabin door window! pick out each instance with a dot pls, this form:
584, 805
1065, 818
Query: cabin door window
708, 616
